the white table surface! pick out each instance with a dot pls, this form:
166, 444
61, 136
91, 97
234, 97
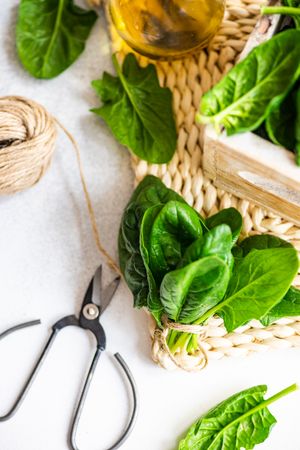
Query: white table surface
47, 257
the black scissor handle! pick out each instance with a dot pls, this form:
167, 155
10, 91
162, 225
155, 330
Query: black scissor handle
66, 321
84, 393
18, 327
28, 383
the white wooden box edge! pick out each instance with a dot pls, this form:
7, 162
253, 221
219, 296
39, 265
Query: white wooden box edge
249, 166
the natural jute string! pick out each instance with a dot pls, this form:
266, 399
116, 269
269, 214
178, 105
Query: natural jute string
28, 136
183, 360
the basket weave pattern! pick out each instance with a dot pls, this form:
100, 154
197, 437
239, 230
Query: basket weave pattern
189, 79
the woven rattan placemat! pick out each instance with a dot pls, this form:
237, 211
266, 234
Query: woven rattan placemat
188, 79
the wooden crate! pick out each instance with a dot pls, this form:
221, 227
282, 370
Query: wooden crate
252, 167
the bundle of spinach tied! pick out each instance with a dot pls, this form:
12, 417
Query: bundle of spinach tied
262, 92
187, 269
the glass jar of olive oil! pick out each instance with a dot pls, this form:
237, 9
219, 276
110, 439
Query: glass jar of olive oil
166, 28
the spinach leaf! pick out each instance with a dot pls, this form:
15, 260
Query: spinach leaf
138, 111
152, 191
261, 242
281, 122
131, 262
51, 35
244, 97
188, 292
291, 3
297, 122
173, 229
288, 307
192, 253
290, 304
258, 283
153, 300
258, 242
149, 192
228, 216
240, 422
216, 242
237, 254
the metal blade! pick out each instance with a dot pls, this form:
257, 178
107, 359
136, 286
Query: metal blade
97, 286
89, 294
108, 294
100, 296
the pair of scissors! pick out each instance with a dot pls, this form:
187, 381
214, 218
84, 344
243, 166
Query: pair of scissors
89, 320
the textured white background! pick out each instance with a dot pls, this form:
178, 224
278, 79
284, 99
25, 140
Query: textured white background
47, 256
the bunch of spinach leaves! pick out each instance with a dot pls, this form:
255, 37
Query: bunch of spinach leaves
240, 422
184, 267
263, 90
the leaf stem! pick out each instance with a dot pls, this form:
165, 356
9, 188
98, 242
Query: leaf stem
57, 25
124, 83
200, 118
283, 393
116, 64
178, 340
211, 312
285, 10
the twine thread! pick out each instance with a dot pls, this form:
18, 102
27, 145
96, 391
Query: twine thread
182, 360
28, 135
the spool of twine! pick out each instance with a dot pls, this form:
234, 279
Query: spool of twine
27, 142
28, 135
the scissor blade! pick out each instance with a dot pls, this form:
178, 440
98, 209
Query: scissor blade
94, 288
102, 297
108, 294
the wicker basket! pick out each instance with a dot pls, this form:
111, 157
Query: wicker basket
189, 79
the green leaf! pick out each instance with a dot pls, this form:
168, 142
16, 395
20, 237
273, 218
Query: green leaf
281, 122
172, 230
130, 259
237, 252
258, 283
288, 307
51, 35
297, 124
192, 253
290, 304
228, 216
262, 242
240, 422
293, 4
244, 97
153, 300
188, 292
149, 192
216, 242
138, 111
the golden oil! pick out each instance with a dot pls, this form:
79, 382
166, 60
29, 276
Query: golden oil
166, 28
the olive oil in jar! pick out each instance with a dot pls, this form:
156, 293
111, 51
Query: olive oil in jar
166, 28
